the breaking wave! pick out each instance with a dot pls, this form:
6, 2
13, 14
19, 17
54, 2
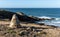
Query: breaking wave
55, 21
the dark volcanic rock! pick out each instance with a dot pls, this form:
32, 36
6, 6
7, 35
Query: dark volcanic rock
21, 16
6, 14
24, 17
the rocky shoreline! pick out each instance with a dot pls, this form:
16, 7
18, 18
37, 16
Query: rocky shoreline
28, 27
4, 14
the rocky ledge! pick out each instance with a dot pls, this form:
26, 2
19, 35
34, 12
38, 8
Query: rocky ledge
22, 17
4, 14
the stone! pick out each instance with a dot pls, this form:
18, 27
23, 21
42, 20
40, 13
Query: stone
14, 22
21, 13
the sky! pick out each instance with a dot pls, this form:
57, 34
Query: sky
29, 3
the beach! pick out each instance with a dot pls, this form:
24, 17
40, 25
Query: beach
29, 30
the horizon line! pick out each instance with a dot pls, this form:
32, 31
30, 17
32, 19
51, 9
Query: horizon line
32, 7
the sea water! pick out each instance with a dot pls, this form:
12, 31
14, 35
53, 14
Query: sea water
41, 13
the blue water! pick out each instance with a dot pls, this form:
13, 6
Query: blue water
51, 12
39, 12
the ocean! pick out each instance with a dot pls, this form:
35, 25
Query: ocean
40, 12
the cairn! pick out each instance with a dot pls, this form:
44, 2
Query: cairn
14, 22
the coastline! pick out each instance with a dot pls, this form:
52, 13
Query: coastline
29, 28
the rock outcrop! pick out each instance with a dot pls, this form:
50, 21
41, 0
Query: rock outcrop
14, 22
21, 16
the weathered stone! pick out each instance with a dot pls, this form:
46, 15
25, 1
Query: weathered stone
21, 13
14, 22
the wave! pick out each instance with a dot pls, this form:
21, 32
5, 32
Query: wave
57, 18
45, 17
55, 22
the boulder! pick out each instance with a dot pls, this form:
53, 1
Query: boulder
14, 22
21, 13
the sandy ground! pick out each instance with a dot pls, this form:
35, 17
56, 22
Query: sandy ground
49, 31
26, 24
35, 25
4, 22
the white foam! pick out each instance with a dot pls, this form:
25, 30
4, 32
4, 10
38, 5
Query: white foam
57, 18
40, 22
55, 22
45, 17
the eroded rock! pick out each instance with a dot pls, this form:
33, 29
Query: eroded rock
14, 22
